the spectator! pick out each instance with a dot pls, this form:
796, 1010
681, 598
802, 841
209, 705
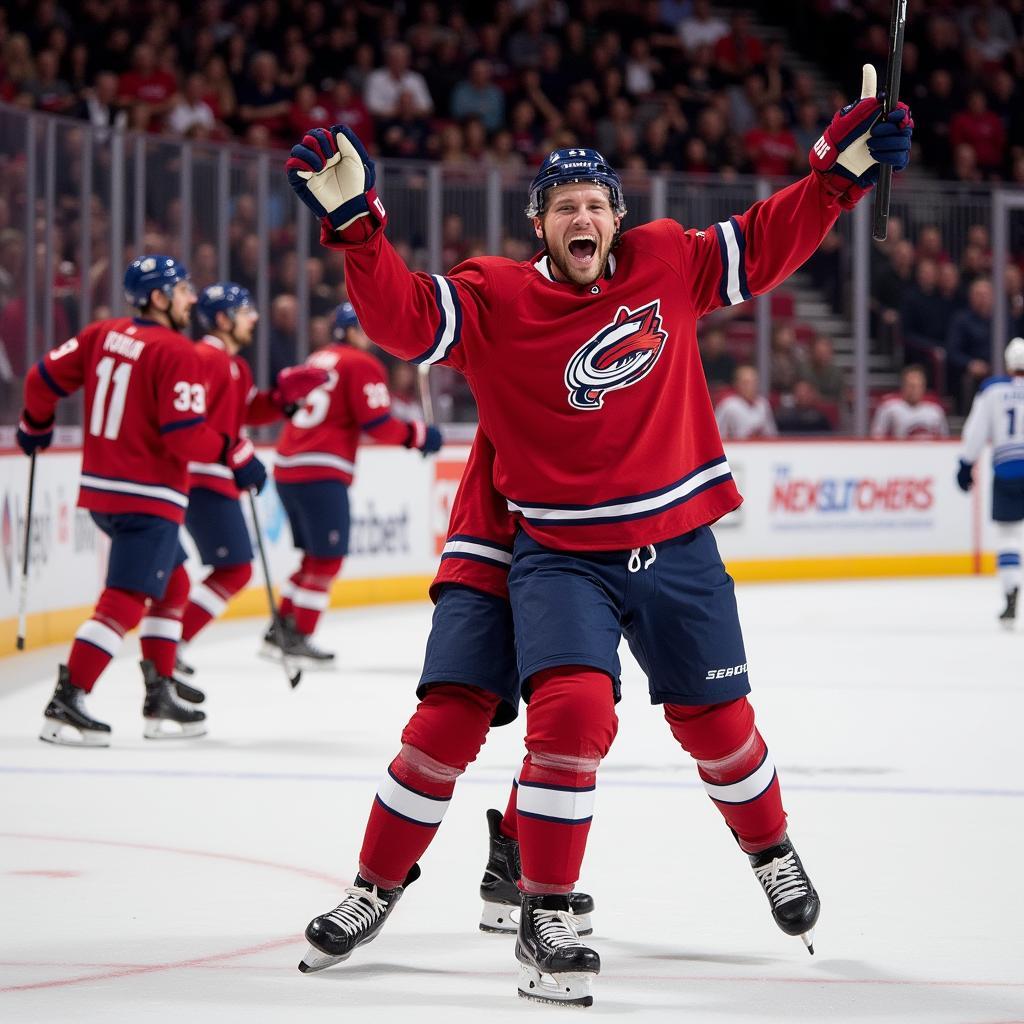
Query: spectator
745, 414
478, 95
929, 244
221, 96
719, 365
147, 90
702, 28
100, 105
404, 386
191, 114
739, 52
284, 324
910, 412
48, 90
969, 342
801, 412
890, 280
526, 46
950, 296
385, 85
406, 135
771, 147
923, 319
262, 101
982, 130
308, 110
788, 364
345, 106
822, 371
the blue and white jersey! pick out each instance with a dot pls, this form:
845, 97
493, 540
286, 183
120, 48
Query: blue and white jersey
997, 417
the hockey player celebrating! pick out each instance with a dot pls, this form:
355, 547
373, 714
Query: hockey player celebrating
997, 417
145, 418
214, 516
585, 367
314, 467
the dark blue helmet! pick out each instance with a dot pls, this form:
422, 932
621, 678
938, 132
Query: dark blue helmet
151, 273
223, 297
567, 166
344, 318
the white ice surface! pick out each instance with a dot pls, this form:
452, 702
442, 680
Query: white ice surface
171, 882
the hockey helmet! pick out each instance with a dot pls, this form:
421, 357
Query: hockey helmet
1013, 358
223, 297
569, 166
344, 318
151, 273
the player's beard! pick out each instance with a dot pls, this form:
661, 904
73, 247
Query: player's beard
180, 320
594, 272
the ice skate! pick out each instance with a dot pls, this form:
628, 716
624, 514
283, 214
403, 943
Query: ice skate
500, 886
67, 720
795, 904
166, 715
188, 693
358, 919
554, 966
283, 636
1008, 619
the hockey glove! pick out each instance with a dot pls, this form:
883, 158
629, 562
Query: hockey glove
332, 174
250, 474
294, 383
964, 476
848, 153
34, 436
427, 439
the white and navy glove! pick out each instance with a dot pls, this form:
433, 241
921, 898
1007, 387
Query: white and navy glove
851, 148
332, 174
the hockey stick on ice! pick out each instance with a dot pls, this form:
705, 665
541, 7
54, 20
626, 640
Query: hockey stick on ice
275, 616
880, 208
23, 593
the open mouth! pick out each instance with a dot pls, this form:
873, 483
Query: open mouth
583, 250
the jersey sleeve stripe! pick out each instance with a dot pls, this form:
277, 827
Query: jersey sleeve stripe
49, 381
480, 540
449, 328
377, 422
732, 288
304, 459
487, 552
166, 428
92, 482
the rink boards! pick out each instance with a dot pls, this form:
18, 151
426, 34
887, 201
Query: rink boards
812, 510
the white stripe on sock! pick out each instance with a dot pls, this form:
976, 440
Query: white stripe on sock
211, 603
409, 804
153, 628
100, 635
570, 805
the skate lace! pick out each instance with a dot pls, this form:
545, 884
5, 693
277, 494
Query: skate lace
359, 909
556, 928
782, 879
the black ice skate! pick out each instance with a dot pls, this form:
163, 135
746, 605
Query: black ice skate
67, 721
166, 715
188, 693
554, 966
299, 648
500, 889
356, 920
795, 904
1009, 617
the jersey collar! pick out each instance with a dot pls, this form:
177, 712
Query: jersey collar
543, 267
209, 339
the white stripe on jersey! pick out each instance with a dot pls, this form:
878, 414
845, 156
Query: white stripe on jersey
99, 483
572, 805
732, 261
446, 310
100, 635
314, 459
211, 469
636, 507
745, 789
465, 547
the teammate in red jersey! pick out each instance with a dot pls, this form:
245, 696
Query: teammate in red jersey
145, 418
214, 516
315, 463
586, 371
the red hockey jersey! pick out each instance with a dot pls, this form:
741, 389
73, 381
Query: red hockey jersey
594, 397
478, 549
145, 413
320, 441
232, 401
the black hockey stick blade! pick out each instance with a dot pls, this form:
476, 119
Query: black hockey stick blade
891, 96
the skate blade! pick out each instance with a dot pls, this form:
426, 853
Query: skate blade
558, 989
317, 960
503, 919
295, 661
66, 735
808, 940
166, 729
1008, 624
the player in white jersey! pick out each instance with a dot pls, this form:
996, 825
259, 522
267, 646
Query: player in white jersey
911, 413
997, 416
744, 413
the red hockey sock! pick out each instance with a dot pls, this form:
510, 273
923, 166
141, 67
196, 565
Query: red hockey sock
734, 764
443, 736
99, 638
310, 591
207, 600
570, 725
510, 819
160, 630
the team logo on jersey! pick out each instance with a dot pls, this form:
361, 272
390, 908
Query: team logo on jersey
619, 355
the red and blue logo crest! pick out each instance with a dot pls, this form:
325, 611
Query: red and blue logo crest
619, 355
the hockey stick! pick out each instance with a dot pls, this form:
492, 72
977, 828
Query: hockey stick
275, 616
426, 399
880, 209
23, 593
